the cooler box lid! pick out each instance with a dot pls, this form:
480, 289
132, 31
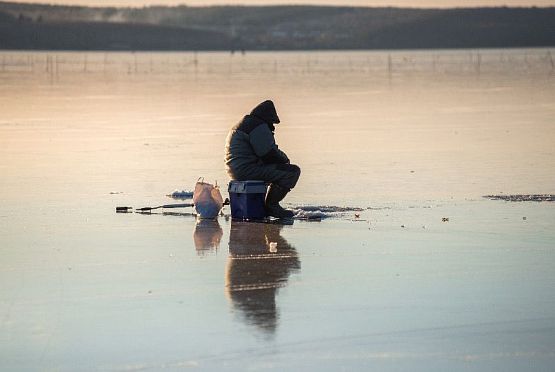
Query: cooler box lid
247, 187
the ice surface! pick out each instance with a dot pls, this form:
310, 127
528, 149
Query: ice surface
84, 288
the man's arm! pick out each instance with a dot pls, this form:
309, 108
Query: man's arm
264, 146
275, 156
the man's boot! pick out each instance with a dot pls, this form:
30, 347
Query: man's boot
275, 195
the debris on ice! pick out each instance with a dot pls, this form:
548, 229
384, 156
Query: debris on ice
181, 194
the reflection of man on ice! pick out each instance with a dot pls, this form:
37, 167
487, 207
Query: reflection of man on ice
252, 154
260, 262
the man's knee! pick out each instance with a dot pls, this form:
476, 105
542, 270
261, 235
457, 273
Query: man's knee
293, 173
290, 168
296, 170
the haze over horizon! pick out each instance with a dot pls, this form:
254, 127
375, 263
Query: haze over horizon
369, 3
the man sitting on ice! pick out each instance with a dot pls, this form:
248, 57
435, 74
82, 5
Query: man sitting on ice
251, 153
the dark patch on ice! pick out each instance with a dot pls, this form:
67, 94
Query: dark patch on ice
181, 194
175, 214
522, 198
319, 212
328, 208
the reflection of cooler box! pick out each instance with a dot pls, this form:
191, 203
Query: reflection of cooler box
247, 199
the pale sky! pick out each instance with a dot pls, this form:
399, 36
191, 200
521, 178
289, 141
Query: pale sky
400, 3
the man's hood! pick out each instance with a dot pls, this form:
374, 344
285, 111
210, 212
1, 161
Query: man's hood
267, 112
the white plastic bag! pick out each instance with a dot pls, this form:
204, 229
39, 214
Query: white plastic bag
207, 199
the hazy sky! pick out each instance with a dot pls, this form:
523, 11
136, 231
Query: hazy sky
405, 3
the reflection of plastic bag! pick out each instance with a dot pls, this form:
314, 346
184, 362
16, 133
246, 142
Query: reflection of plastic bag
208, 200
207, 235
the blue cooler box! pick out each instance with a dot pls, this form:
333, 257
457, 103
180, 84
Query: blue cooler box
247, 199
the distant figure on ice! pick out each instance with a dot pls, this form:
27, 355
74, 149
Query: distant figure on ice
251, 153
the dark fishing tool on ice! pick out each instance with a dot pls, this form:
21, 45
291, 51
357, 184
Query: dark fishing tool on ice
165, 206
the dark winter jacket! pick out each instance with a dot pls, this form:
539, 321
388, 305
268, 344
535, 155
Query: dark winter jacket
251, 142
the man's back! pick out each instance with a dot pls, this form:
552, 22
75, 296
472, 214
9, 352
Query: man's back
246, 143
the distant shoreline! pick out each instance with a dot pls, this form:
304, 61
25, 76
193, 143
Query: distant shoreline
271, 27
298, 5
227, 51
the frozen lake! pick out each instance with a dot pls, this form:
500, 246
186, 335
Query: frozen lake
411, 137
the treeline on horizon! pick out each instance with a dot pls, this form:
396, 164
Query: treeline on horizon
52, 27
